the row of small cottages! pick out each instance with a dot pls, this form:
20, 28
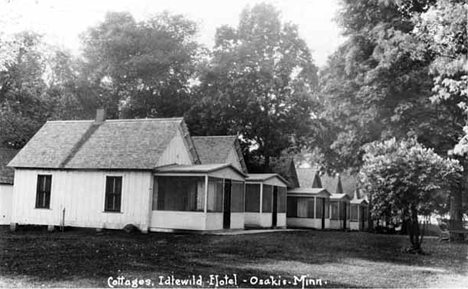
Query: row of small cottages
150, 173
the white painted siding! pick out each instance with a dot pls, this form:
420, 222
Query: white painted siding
281, 221
82, 195
178, 220
176, 152
6, 195
304, 223
237, 220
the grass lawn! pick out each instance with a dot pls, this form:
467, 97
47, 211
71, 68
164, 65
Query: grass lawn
340, 259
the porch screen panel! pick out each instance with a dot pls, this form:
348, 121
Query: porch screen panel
334, 210
365, 213
180, 193
327, 207
267, 200
302, 204
215, 195
252, 198
292, 207
354, 213
319, 208
237, 196
281, 200
310, 208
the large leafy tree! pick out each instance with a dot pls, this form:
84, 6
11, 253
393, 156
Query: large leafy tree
23, 102
406, 179
140, 69
378, 83
259, 82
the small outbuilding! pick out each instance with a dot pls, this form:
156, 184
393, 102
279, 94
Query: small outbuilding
308, 208
6, 184
265, 201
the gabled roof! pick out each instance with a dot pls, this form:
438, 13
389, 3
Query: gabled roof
6, 173
339, 197
332, 183
206, 168
112, 144
308, 191
216, 149
285, 166
309, 178
264, 177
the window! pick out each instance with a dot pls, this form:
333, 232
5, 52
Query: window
43, 191
267, 199
180, 194
237, 197
113, 194
252, 198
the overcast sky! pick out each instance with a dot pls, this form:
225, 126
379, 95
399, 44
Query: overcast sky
63, 20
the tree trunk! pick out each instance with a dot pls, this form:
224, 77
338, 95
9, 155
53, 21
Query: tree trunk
414, 232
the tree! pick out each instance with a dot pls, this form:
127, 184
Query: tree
140, 69
23, 102
406, 179
259, 82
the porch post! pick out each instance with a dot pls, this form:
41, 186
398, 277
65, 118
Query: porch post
261, 198
206, 194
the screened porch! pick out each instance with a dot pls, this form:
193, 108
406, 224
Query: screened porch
359, 215
339, 211
308, 208
200, 197
265, 201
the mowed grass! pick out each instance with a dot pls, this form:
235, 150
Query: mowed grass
339, 259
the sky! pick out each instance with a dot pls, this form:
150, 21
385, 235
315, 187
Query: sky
62, 21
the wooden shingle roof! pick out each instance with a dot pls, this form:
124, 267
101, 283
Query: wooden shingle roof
113, 144
6, 173
285, 166
308, 178
216, 149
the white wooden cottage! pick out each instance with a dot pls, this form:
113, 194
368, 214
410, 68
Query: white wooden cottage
265, 201
339, 211
110, 173
6, 185
308, 208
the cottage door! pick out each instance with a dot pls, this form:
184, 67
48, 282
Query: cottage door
344, 215
227, 205
274, 221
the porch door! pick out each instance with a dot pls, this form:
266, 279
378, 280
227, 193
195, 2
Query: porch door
274, 221
323, 213
227, 204
344, 215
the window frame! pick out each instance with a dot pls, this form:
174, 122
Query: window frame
45, 193
106, 209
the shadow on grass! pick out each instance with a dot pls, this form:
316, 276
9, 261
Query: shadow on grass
85, 254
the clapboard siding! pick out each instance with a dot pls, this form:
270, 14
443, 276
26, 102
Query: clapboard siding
176, 152
82, 195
